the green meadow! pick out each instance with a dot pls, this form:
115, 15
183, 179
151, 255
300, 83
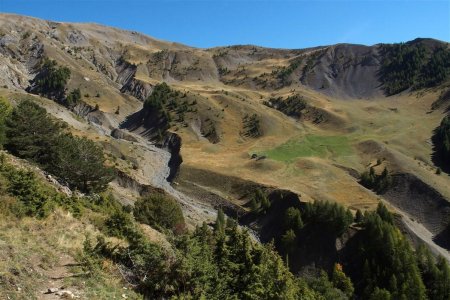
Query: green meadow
311, 146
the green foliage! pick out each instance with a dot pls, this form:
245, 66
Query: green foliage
388, 262
401, 66
205, 264
380, 294
284, 73
160, 95
311, 146
159, 210
120, 224
30, 133
289, 241
437, 70
293, 219
322, 285
219, 226
33, 135
384, 213
331, 217
291, 106
435, 274
5, 111
80, 163
341, 281
33, 199
442, 139
73, 98
51, 80
164, 101
378, 183
412, 65
251, 126
23, 185
259, 202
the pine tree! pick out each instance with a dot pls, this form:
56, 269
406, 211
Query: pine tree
5, 111
341, 281
265, 202
288, 241
219, 226
73, 98
79, 162
293, 219
30, 133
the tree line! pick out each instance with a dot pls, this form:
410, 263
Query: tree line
413, 65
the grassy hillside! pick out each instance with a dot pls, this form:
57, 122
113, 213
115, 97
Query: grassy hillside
209, 127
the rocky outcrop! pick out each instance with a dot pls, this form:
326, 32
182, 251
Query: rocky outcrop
337, 71
126, 181
123, 135
136, 88
83, 109
172, 143
419, 200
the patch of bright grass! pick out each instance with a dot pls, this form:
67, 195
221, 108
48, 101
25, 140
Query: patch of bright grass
311, 146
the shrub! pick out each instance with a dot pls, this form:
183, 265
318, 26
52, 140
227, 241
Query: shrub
33, 200
159, 210
73, 98
120, 224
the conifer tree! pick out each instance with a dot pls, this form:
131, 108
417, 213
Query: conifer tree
5, 110
30, 133
219, 226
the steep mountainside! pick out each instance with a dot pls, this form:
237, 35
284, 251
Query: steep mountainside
355, 107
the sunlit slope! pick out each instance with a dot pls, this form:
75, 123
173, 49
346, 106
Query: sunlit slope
319, 159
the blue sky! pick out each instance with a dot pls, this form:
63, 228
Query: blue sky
276, 23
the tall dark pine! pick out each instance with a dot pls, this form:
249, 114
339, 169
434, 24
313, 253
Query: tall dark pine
30, 133
81, 163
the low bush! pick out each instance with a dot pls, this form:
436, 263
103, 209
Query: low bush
159, 210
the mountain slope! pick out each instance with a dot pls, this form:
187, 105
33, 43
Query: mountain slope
347, 125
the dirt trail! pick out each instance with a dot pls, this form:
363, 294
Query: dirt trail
56, 277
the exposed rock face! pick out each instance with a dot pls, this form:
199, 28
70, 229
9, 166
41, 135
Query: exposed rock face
121, 134
136, 88
82, 109
338, 70
419, 200
126, 181
172, 143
